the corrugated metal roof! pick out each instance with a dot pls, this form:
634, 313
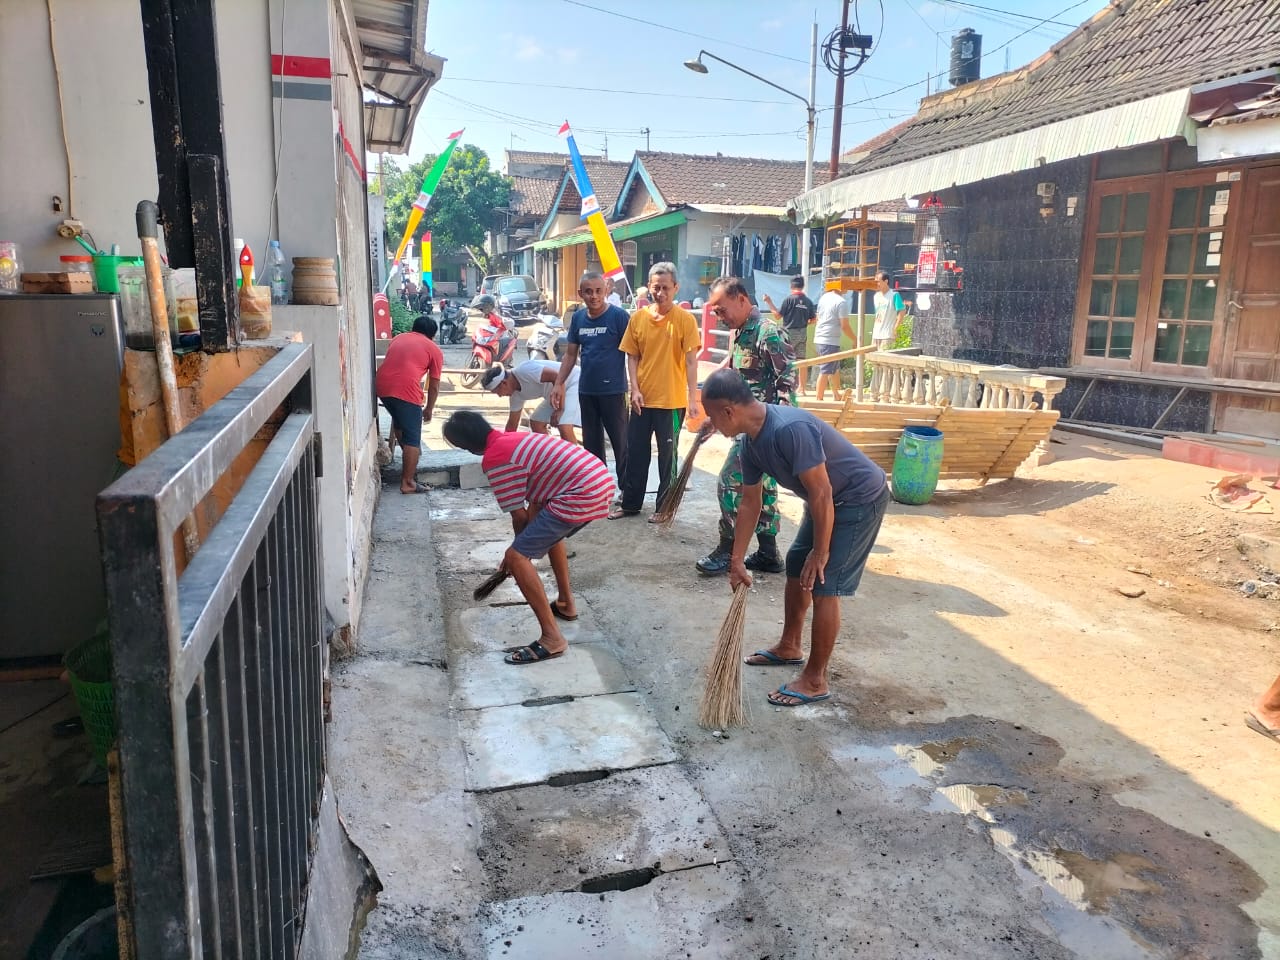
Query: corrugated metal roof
1156, 118
395, 67
622, 230
740, 209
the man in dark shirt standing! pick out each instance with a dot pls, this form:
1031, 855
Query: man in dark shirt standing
845, 498
596, 331
796, 313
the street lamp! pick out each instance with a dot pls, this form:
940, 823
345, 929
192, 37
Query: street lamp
697, 66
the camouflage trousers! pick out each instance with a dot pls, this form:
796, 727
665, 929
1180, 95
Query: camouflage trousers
729, 493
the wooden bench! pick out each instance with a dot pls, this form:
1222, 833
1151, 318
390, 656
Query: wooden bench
978, 443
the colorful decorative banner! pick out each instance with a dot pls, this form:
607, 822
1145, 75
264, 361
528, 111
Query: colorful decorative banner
428, 187
428, 284
610, 263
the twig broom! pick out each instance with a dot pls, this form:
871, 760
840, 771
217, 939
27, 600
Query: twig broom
722, 699
490, 584
665, 515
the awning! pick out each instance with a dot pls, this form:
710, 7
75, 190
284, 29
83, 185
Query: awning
1161, 117
396, 69
739, 209
622, 230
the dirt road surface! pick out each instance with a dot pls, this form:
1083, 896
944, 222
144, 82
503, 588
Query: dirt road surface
1018, 760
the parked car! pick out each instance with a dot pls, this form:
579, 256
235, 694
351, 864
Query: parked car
519, 298
486, 285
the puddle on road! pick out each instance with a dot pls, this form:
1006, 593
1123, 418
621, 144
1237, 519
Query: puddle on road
1119, 906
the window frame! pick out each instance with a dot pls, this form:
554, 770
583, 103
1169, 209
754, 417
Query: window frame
1160, 188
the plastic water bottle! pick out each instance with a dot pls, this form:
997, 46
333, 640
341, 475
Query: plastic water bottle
275, 274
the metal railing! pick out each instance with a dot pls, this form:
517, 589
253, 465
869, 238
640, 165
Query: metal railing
217, 678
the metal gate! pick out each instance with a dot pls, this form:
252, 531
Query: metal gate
217, 677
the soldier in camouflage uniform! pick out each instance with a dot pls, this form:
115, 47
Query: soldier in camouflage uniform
764, 356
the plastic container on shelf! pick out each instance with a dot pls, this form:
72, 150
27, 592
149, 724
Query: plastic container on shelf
135, 308
82, 263
105, 266
10, 267
276, 278
186, 306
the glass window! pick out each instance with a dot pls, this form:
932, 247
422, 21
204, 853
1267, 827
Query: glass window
1109, 213
1195, 345
1168, 342
1177, 256
1121, 340
1100, 298
1126, 298
1173, 300
1095, 338
1204, 295
1104, 254
1130, 255
1183, 212
1135, 211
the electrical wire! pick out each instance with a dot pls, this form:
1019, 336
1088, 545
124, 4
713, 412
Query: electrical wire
1007, 13
634, 93
278, 111
697, 36
940, 74
62, 117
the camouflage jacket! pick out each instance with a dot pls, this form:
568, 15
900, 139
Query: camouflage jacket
765, 358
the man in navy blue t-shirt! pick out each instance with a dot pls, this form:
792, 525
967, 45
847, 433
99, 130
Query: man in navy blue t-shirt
595, 332
845, 498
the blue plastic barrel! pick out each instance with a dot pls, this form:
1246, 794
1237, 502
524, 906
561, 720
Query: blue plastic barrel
916, 465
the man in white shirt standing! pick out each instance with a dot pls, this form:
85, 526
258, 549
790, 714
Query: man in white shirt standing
832, 321
890, 311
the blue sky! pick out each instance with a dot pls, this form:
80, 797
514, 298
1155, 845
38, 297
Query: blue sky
517, 68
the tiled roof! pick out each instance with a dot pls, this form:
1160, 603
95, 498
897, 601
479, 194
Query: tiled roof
607, 177
532, 196
693, 178
1131, 50
854, 154
537, 156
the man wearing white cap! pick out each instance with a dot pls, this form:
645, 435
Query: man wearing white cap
532, 381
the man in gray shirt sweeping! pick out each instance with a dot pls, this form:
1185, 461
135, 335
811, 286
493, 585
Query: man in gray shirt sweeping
845, 497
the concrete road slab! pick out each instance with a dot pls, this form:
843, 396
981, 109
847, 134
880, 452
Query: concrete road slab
697, 913
487, 628
468, 556
586, 670
550, 839
518, 745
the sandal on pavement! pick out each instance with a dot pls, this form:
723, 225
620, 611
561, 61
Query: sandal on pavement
1257, 726
804, 698
533, 653
772, 660
418, 487
617, 513
560, 614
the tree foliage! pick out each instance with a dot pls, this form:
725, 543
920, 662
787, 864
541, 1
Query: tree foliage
461, 210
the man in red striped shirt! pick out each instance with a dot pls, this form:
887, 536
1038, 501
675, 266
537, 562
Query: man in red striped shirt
552, 489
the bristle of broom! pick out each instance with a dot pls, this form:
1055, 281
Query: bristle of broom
666, 513
722, 704
490, 584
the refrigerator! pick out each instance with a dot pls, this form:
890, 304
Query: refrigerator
60, 365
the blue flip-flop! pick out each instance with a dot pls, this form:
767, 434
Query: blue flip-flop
774, 660
804, 698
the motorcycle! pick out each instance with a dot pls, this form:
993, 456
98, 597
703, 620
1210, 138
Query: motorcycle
453, 323
494, 342
548, 339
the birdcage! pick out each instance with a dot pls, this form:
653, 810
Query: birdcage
852, 255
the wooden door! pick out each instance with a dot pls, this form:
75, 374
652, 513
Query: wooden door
1252, 349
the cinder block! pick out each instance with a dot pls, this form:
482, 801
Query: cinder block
471, 477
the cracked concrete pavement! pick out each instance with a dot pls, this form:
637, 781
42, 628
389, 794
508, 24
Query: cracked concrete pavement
1017, 762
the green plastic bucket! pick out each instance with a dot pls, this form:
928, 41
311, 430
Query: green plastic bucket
104, 270
916, 465
89, 668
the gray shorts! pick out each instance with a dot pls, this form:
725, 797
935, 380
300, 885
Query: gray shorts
852, 537
542, 533
823, 350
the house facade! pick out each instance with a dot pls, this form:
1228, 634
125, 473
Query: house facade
1109, 213
710, 215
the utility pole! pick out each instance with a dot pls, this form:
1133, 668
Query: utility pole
837, 116
645, 131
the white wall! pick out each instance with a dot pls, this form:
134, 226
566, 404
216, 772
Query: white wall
106, 105
108, 125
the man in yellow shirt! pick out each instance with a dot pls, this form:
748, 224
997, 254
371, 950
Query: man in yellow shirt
662, 345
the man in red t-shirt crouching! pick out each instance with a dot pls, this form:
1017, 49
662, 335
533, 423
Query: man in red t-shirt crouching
398, 383
552, 489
